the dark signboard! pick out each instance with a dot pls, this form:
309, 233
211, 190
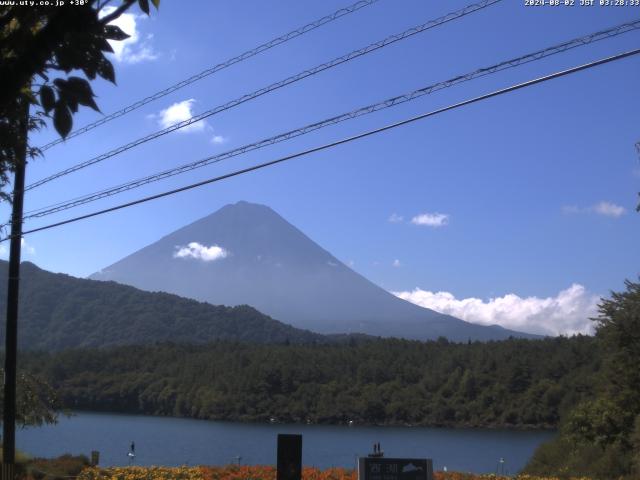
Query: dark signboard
383, 468
289, 457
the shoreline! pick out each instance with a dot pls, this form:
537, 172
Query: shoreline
506, 428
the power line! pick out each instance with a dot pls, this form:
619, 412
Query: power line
339, 142
274, 86
514, 62
221, 66
287, 81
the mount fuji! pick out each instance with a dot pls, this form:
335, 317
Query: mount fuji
246, 253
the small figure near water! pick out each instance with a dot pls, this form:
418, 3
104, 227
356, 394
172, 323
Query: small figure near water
377, 451
132, 452
500, 467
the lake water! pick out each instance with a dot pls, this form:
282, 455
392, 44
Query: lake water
178, 441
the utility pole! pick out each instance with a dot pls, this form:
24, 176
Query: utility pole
11, 340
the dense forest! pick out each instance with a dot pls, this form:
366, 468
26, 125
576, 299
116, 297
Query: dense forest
600, 437
58, 311
237, 364
513, 383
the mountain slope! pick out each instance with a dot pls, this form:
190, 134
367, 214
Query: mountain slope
269, 264
58, 311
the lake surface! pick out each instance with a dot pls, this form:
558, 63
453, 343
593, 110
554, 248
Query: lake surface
179, 441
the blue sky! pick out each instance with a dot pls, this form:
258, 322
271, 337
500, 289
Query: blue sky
536, 190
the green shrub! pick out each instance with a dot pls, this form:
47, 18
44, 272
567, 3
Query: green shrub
56, 468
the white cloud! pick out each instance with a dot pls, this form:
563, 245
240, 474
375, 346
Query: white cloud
567, 313
396, 263
607, 209
395, 218
179, 112
26, 248
431, 219
131, 50
218, 139
201, 252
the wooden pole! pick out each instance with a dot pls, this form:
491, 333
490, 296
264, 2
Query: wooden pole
11, 339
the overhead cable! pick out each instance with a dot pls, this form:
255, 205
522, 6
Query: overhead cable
388, 103
337, 142
274, 86
216, 68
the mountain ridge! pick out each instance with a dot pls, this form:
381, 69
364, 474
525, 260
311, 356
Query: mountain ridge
58, 311
266, 262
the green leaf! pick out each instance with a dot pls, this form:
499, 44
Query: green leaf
83, 92
47, 98
71, 54
80, 87
91, 103
74, 91
156, 3
73, 105
66, 94
90, 68
28, 94
144, 6
105, 70
77, 83
111, 32
104, 45
62, 119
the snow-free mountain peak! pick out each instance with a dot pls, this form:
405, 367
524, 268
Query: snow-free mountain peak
246, 253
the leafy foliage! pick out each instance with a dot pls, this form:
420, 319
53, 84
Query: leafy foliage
38, 43
59, 468
568, 460
366, 381
36, 401
601, 436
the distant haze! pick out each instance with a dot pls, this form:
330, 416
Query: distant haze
248, 254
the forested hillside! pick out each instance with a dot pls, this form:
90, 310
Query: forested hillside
600, 437
58, 311
514, 383
277, 269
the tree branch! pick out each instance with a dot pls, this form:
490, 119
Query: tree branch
117, 12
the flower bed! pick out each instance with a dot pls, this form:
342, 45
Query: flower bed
233, 472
